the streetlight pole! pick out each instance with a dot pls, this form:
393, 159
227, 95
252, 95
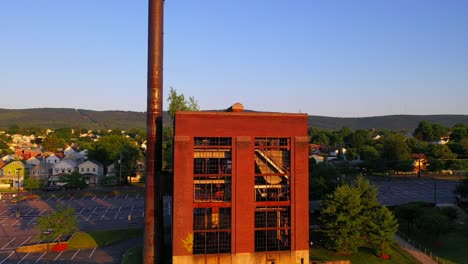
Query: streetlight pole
18, 196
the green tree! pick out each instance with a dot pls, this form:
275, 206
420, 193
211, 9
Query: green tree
440, 152
3, 145
462, 188
435, 165
360, 138
62, 222
341, 220
432, 223
464, 143
167, 148
323, 179
127, 165
424, 131
321, 138
73, 180
64, 133
383, 227
395, 148
53, 143
30, 183
351, 217
177, 102
459, 132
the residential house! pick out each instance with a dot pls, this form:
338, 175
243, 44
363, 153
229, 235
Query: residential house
69, 150
53, 159
64, 166
13, 173
92, 171
41, 172
33, 161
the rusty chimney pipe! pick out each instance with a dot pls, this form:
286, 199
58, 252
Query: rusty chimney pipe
153, 235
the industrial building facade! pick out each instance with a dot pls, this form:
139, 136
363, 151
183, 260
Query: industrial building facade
240, 187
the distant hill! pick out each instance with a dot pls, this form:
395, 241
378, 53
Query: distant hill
66, 117
391, 122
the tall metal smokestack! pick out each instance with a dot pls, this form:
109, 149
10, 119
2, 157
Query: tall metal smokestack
153, 235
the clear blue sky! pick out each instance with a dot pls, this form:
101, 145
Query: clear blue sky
333, 58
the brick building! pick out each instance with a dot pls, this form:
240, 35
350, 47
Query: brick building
240, 187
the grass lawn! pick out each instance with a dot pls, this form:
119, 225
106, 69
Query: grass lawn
102, 238
133, 255
365, 255
450, 246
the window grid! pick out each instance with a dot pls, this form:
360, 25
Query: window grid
272, 169
272, 228
212, 230
212, 185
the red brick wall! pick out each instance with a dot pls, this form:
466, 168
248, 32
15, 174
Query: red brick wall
243, 128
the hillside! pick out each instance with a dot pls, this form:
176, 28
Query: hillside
66, 117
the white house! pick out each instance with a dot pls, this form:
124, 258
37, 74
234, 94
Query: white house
64, 166
33, 161
53, 159
92, 171
69, 150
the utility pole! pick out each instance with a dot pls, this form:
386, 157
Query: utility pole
153, 234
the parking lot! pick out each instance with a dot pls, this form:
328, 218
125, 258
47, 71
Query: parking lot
93, 213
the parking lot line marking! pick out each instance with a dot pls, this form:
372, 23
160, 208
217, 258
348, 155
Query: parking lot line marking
15, 222
61, 197
82, 198
49, 198
107, 209
137, 196
31, 220
25, 241
104, 197
7, 257
37, 199
120, 208
3, 220
8, 243
71, 198
4, 212
24, 257
29, 212
94, 197
40, 257
132, 208
92, 252
75, 254
12, 214
95, 208
126, 197
143, 214
102, 217
87, 219
42, 211
117, 214
81, 210
58, 255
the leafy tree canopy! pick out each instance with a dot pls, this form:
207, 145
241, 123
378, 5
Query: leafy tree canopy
177, 102
52, 226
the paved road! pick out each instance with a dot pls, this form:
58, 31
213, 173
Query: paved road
400, 190
93, 212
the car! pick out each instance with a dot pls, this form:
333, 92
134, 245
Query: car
51, 188
72, 187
